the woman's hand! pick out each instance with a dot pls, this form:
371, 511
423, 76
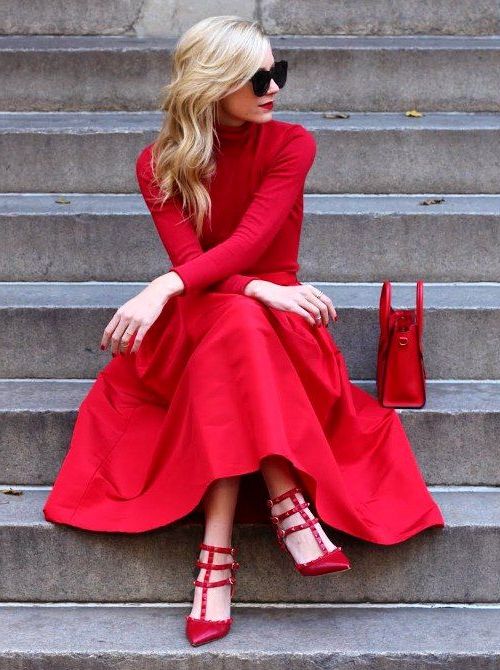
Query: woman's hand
139, 313
304, 299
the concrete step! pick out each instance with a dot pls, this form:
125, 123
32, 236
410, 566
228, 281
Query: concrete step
150, 637
454, 436
69, 319
111, 237
315, 17
356, 73
366, 153
457, 563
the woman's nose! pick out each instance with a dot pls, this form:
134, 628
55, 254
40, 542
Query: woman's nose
273, 87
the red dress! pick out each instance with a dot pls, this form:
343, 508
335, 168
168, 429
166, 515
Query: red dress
220, 380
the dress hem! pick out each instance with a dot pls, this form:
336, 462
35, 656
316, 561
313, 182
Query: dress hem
433, 518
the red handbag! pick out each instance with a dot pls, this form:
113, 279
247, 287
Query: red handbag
400, 362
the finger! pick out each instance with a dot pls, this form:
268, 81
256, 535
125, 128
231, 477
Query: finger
117, 335
108, 331
322, 308
313, 309
127, 335
139, 337
305, 313
329, 305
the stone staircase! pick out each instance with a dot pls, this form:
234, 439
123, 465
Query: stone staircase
78, 96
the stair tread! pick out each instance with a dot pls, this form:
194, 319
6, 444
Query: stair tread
132, 204
354, 295
273, 632
462, 507
62, 395
141, 121
348, 42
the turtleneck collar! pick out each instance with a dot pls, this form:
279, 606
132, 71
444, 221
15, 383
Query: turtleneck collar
233, 132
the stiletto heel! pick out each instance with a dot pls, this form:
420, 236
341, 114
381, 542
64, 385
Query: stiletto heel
201, 630
329, 561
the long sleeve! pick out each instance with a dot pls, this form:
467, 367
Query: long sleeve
178, 237
267, 212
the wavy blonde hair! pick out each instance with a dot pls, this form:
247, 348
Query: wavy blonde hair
212, 59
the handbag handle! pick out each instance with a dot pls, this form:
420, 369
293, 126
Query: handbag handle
385, 309
420, 311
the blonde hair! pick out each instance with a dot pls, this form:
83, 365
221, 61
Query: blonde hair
212, 59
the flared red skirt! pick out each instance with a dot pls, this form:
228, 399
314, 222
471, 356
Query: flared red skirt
219, 382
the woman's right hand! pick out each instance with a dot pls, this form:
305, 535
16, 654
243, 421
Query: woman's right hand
304, 299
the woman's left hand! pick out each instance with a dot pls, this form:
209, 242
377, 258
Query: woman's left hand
138, 314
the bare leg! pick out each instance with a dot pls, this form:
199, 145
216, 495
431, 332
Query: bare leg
280, 476
219, 504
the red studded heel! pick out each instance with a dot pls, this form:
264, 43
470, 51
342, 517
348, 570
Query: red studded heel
201, 630
329, 561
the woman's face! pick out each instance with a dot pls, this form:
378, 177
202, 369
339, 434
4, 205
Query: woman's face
244, 105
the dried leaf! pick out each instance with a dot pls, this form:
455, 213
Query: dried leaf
336, 115
11, 492
63, 201
413, 112
432, 201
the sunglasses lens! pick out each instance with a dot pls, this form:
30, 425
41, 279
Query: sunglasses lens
262, 78
280, 72
261, 81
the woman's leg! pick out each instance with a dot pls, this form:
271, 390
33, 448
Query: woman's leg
219, 504
279, 475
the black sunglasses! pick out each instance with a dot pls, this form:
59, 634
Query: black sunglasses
261, 80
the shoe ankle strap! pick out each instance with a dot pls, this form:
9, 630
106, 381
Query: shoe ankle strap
272, 501
205, 584
283, 532
222, 550
234, 565
221, 582
276, 518
218, 566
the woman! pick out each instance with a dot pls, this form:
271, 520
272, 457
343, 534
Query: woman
217, 374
